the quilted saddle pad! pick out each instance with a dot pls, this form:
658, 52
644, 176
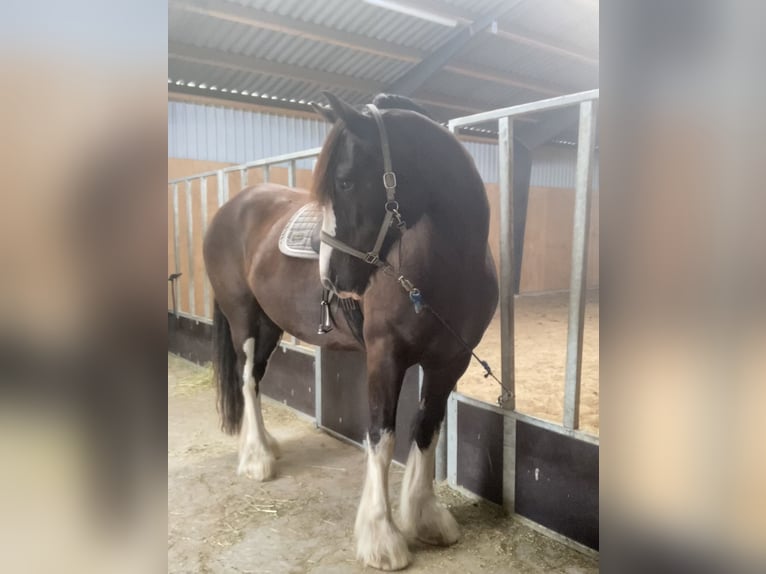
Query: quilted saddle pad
298, 236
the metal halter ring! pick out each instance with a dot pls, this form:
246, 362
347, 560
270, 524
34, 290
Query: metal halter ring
392, 206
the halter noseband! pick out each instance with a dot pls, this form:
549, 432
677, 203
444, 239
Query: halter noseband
392, 206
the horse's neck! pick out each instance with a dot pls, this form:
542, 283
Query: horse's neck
463, 223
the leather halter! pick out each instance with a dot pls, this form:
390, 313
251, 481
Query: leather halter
392, 206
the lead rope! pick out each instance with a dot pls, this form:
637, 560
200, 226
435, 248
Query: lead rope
416, 298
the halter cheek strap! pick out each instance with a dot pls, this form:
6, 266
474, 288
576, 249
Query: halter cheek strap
392, 206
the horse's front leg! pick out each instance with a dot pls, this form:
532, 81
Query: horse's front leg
379, 543
422, 515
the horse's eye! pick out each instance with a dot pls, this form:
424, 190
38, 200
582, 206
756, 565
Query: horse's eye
345, 185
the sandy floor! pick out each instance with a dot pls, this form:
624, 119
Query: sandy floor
541, 333
302, 521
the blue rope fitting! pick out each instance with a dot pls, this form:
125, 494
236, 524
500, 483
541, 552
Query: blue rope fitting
417, 300
487, 369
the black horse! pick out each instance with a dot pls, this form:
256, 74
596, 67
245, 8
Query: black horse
394, 243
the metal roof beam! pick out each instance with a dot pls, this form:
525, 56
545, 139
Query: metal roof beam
254, 18
504, 31
457, 40
227, 11
259, 66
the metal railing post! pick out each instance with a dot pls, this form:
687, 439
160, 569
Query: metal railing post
507, 312
243, 177
266, 173
585, 150
291, 173
205, 280
190, 245
176, 254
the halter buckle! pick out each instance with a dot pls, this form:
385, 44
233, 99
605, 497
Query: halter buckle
389, 180
372, 258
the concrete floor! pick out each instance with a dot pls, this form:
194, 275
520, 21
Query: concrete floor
303, 520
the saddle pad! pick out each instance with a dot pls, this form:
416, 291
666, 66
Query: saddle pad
295, 240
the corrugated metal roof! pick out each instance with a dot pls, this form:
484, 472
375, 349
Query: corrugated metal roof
230, 29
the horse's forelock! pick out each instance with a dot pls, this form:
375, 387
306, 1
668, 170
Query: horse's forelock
324, 172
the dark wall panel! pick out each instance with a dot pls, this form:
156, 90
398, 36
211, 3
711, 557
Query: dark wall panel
345, 408
290, 379
557, 482
480, 451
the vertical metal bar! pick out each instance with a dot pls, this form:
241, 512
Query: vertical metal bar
441, 451
291, 173
205, 280
509, 464
318, 387
586, 142
507, 263
243, 177
451, 432
176, 241
219, 184
507, 289
266, 173
190, 243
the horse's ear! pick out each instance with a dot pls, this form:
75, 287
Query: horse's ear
361, 126
325, 112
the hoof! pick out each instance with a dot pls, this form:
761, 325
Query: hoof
259, 465
381, 545
434, 525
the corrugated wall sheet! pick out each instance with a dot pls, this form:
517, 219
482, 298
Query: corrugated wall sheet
217, 133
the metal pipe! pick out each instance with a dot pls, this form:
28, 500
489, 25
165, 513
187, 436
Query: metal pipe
203, 208
176, 241
585, 149
277, 159
291, 174
190, 246
507, 263
528, 108
219, 184
243, 177
266, 173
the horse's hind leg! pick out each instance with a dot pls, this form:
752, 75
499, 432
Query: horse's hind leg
255, 338
422, 516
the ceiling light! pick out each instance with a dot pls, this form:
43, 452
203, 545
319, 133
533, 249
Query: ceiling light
414, 11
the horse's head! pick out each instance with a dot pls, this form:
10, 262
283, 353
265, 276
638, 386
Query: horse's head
348, 182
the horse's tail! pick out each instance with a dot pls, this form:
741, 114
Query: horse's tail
227, 376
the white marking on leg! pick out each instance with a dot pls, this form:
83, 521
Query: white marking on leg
379, 543
422, 515
256, 455
325, 251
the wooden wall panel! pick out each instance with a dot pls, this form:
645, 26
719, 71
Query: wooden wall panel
547, 255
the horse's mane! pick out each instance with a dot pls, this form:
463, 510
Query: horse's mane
324, 170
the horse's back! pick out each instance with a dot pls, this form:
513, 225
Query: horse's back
249, 219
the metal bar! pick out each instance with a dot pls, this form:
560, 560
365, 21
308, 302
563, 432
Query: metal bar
507, 263
243, 177
190, 244
585, 149
219, 182
291, 174
529, 419
176, 254
225, 187
528, 108
274, 160
205, 280
451, 433
297, 348
277, 159
266, 173
197, 318
509, 465
507, 290
318, 387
